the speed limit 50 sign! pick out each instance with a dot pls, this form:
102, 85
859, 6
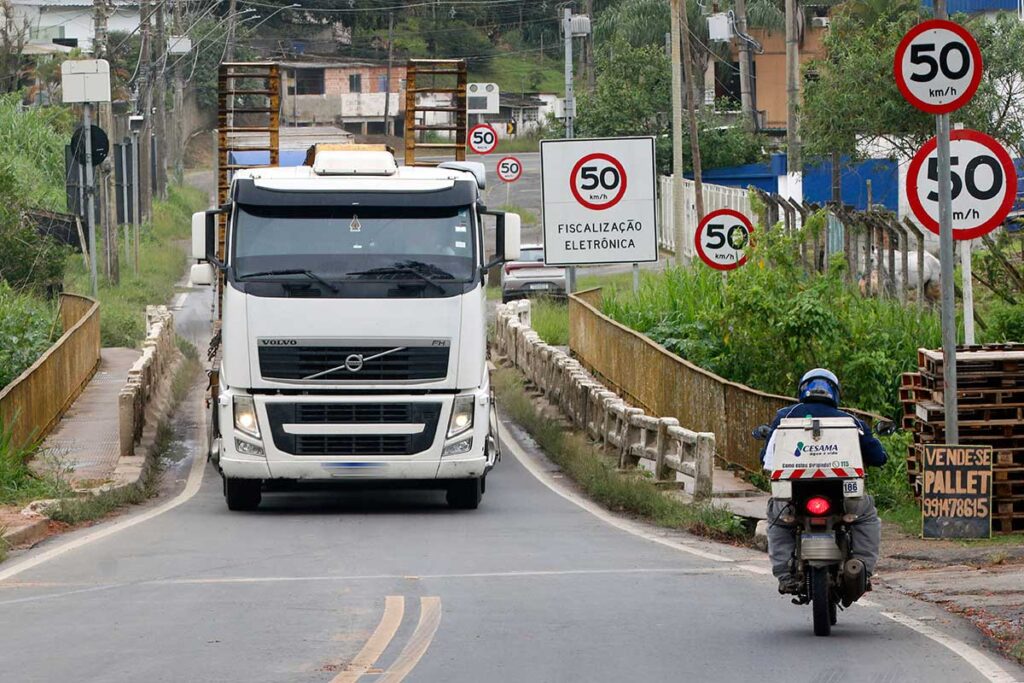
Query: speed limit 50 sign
984, 184
722, 239
938, 66
600, 201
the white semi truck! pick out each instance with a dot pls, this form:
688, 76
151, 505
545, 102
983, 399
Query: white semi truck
353, 325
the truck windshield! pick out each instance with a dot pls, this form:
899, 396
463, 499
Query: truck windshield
347, 242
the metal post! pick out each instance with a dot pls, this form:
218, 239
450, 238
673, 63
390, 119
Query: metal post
949, 397
968, 287
570, 112
636, 278
387, 89
136, 219
90, 196
678, 214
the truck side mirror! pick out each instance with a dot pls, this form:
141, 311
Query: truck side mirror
507, 229
201, 274
204, 236
513, 228
199, 235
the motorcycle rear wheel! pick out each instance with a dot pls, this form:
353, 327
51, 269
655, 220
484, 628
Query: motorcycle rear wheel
821, 601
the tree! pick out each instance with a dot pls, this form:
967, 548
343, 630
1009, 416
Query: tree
634, 97
13, 36
852, 105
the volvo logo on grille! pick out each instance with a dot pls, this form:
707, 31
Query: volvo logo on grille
354, 362
279, 342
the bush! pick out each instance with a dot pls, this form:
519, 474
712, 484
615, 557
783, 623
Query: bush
769, 323
26, 323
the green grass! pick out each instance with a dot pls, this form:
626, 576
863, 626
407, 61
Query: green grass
550, 319
19, 484
523, 73
519, 145
529, 216
28, 326
595, 472
161, 264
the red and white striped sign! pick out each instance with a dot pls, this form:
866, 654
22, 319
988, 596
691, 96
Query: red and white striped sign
819, 473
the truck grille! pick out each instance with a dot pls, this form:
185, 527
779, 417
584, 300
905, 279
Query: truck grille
336, 363
426, 414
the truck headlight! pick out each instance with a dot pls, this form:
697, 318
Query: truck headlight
462, 416
245, 416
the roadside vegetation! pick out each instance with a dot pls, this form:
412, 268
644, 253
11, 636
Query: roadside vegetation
596, 473
162, 261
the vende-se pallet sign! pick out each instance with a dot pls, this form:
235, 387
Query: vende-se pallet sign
600, 201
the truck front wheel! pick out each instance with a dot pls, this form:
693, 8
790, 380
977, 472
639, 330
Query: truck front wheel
242, 494
465, 494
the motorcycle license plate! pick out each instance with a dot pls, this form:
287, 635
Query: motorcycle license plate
810, 536
853, 488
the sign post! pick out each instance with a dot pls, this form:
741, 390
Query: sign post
599, 201
87, 81
938, 68
956, 496
510, 169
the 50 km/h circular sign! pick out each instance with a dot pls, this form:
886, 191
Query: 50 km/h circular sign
483, 139
598, 181
509, 169
938, 66
983, 178
722, 239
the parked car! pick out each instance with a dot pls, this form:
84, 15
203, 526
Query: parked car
528, 276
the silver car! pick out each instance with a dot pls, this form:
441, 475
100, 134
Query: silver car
530, 277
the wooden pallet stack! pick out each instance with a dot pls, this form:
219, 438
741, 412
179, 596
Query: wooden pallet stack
990, 394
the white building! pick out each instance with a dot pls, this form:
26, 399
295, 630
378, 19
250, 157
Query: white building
70, 20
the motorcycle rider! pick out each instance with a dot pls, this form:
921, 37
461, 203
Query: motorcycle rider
818, 394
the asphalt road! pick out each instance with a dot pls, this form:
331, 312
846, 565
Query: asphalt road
393, 586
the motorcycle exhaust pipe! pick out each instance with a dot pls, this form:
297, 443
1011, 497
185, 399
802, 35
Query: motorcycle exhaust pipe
854, 581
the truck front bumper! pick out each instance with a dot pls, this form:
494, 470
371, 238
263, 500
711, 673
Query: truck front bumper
344, 449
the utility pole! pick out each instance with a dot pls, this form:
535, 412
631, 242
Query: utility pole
229, 50
570, 95
146, 107
588, 51
677, 132
105, 187
179, 99
160, 98
388, 123
792, 87
949, 379
691, 110
746, 101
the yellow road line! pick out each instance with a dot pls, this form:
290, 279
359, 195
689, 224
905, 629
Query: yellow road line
394, 610
430, 619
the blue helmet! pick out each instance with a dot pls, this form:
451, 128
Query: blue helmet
819, 386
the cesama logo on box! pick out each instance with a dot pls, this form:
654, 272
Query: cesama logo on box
816, 449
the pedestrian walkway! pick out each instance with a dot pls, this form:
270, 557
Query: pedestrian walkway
85, 442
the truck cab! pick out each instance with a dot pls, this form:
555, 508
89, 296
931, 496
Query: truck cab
353, 324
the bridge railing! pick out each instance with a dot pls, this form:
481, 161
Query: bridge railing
606, 418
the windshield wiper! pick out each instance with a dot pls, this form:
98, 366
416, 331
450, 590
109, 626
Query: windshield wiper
293, 271
399, 270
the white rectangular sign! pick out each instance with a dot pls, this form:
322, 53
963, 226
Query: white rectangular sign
85, 80
600, 201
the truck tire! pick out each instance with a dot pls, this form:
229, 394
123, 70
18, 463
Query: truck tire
242, 494
465, 494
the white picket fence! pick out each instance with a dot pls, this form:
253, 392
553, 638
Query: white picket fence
679, 240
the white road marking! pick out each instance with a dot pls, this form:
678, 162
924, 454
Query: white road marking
991, 671
593, 508
195, 480
982, 664
179, 301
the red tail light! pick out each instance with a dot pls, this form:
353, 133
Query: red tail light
818, 506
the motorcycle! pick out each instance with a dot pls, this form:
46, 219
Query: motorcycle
816, 468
